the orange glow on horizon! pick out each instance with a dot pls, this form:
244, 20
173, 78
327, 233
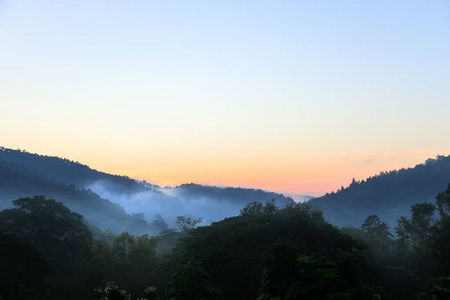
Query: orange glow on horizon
294, 174
301, 177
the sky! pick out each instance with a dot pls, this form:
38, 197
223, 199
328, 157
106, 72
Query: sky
286, 96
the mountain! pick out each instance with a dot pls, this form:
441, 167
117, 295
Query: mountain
389, 195
64, 171
198, 192
97, 211
299, 197
114, 202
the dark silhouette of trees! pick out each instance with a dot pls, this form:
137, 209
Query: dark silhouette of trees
57, 231
187, 223
25, 269
374, 228
191, 282
415, 233
289, 275
389, 195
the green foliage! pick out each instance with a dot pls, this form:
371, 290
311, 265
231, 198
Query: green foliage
111, 292
441, 288
267, 253
280, 269
231, 251
289, 276
191, 282
150, 294
130, 261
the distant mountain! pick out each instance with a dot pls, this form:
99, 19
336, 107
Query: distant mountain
299, 197
214, 203
197, 192
116, 202
389, 195
61, 170
96, 210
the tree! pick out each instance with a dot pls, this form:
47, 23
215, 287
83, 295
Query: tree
111, 292
231, 251
443, 230
443, 204
191, 282
49, 225
280, 271
159, 224
374, 228
256, 208
134, 261
188, 222
415, 234
441, 288
24, 269
54, 229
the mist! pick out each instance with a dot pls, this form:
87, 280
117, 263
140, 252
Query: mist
170, 203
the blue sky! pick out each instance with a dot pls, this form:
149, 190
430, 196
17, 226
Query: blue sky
292, 96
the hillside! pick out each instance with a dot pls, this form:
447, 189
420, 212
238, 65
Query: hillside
61, 170
388, 195
97, 211
116, 202
194, 191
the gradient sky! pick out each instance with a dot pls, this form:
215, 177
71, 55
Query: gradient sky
289, 96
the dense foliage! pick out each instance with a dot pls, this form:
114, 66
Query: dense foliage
58, 170
96, 210
267, 252
231, 251
88, 192
238, 195
388, 195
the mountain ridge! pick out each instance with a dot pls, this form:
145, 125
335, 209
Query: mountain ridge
389, 194
75, 184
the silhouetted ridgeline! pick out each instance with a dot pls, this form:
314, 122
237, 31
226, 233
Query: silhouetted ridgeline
240, 195
116, 202
388, 195
97, 211
64, 171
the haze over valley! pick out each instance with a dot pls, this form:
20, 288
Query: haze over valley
245, 150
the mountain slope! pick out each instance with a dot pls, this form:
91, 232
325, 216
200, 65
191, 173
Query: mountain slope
96, 210
82, 188
194, 191
388, 195
63, 171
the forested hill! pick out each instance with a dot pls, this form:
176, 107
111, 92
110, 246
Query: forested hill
194, 191
96, 210
61, 170
388, 195
116, 202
